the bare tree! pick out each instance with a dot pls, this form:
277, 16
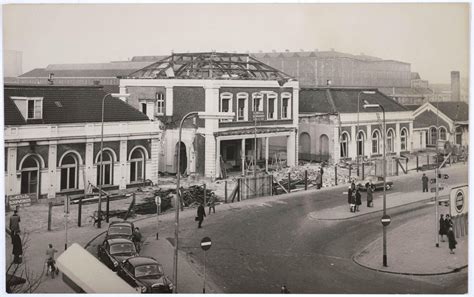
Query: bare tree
20, 278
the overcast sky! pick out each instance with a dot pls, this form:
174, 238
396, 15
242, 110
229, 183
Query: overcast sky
434, 38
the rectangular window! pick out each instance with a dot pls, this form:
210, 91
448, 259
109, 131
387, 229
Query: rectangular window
284, 111
241, 110
160, 108
63, 178
35, 109
143, 107
31, 109
271, 107
286, 105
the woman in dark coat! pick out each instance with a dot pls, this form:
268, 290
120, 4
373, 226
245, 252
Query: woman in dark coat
443, 230
358, 199
17, 248
370, 196
452, 240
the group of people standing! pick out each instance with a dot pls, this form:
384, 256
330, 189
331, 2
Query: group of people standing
354, 198
446, 228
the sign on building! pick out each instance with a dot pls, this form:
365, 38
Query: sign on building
19, 200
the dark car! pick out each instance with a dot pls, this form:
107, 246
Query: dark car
114, 251
377, 183
145, 274
120, 229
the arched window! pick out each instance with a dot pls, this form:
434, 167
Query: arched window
137, 165
286, 105
69, 170
433, 136
442, 133
344, 144
272, 106
257, 99
390, 142
305, 143
108, 168
360, 143
29, 175
403, 139
375, 141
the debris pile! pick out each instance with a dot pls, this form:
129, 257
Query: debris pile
194, 195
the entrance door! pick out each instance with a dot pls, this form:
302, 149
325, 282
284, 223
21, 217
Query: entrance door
30, 176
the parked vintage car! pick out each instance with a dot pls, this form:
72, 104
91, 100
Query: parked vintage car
377, 183
114, 251
120, 229
145, 274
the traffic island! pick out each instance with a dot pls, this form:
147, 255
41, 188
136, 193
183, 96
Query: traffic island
412, 251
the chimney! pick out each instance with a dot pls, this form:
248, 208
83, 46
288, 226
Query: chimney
455, 86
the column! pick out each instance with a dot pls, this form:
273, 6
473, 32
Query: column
242, 155
368, 141
397, 139
210, 156
352, 152
336, 147
52, 159
90, 173
155, 158
290, 149
410, 137
124, 176
12, 185
169, 101
266, 153
218, 158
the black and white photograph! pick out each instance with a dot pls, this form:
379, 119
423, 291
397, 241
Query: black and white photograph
236, 148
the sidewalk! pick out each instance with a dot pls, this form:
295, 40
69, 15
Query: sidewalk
411, 250
34, 221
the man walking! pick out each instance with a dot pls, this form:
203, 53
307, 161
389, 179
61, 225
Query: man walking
370, 196
212, 204
50, 260
201, 213
451, 240
424, 180
15, 222
17, 248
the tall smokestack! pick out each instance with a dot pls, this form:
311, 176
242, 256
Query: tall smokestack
455, 86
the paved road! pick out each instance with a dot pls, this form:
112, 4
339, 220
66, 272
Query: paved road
257, 248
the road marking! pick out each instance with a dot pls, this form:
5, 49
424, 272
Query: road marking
206, 243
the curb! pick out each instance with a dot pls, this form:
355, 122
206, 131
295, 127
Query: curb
409, 273
369, 213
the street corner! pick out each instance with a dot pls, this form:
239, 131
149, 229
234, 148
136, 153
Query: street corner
411, 250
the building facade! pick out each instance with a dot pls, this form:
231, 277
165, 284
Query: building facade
331, 128
218, 82
52, 142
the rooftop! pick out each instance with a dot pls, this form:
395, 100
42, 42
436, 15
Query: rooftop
343, 100
455, 110
210, 65
68, 104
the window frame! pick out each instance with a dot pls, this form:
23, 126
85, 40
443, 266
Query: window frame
242, 96
226, 96
37, 103
67, 168
403, 139
344, 143
360, 133
160, 103
136, 161
442, 130
376, 131
274, 96
110, 163
391, 138
257, 96
283, 96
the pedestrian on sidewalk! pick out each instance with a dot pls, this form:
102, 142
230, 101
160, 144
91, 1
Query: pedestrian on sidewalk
137, 239
448, 222
349, 195
201, 213
443, 228
50, 260
15, 222
358, 198
452, 240
17, 248
319, 180
212, 204
424, 180
370, 196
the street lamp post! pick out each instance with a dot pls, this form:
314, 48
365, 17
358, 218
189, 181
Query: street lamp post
99, 217
177, 200
357, 131
367, 105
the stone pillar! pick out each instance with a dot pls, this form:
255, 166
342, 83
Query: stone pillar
397, 139
89, 164
169, 101
336, 151
211, 126
242, 155
266, 153
218, 158
124, 174
352, 149
155, 158
12, 184
291, 149
52, 168
210, 156
368, 141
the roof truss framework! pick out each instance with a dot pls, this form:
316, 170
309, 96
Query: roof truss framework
210, 65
